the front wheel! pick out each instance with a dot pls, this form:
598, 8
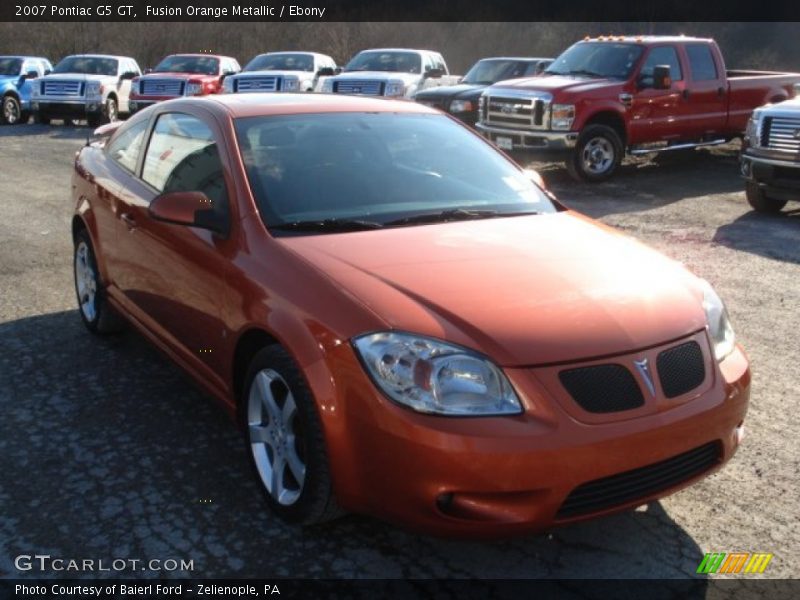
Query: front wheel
285, 441
11, 112
758, 199
597, 154
95, 312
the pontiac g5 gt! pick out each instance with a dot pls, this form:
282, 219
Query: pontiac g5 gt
404, 322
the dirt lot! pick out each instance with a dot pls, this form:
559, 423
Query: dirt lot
107, 451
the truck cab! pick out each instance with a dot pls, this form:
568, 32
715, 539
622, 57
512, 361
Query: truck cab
282, 72
182, 75
17, 74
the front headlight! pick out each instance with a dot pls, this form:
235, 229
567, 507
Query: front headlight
435, 377
563, 115
461, 106
720, 330
94, 88
395, 88
751, 132
227, 85
194, 89
291, 84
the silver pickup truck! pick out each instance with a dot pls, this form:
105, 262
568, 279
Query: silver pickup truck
95, 87
281, 72
393, 72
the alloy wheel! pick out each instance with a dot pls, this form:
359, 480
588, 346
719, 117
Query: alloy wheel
598, 156
86, 281
11, 111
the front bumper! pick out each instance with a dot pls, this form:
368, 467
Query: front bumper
779, 177
530, 139
501, 476
69, 109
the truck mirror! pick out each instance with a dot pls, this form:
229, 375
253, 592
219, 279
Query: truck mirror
661, 77
434, 73
31, 75
127, 75
325, 72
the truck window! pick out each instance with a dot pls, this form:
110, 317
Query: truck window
701, 62
662, 55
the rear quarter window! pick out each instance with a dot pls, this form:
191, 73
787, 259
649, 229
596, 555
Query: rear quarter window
701, 62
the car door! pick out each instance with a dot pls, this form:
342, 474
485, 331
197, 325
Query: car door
172, 277
658, 115
706, 100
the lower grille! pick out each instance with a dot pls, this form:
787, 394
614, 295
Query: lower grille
623, 488
681, 369
602, 388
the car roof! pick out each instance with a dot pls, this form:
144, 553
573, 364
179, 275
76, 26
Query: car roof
23, 57
198, 54
103, 56
523, 58
266, 104
399, 50
646, 39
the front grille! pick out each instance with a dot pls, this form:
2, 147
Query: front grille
616, 490
781, 133
681, 369
63, 88
602, 388
357, 86
161, 87
268, 83
515, 113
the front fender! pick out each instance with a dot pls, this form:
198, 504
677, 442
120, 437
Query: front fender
587, 111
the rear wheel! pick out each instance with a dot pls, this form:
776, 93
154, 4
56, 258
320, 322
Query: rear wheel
597, 154
758, 199
95, 312
285, 441
11, 111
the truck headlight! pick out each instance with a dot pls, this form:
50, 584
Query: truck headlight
327, 86
751, 132
291, 84
395, 88
720, 330
563, 115
227, 85
461, 106
194, 89
431, 376
94, 89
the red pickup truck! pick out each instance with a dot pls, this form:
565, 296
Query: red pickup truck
606, 96
181, 75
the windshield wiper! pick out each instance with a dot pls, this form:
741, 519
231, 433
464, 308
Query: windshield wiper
455, 214
328, 225
585, 72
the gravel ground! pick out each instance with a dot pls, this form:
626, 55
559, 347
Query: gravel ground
107, 451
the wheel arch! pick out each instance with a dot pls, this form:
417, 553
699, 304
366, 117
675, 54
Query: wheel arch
609, 118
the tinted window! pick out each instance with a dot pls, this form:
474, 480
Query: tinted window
399, 62
491, 71
701, 62
88, 65
376, 167
281, 62
10, 65
663, 55
125, 145
201, 65
597, 59
182, 156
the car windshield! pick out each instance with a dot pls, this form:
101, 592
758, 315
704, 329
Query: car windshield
10, 65
487, 72
372, 170
200, 65
281, 62
597, 59
87, 65
396, 62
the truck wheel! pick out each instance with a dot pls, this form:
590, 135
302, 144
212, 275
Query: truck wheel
759, 200
41, 118
12, 112
112, 111
597, 154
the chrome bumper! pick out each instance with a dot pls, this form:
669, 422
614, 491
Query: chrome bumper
759, 160
532, 139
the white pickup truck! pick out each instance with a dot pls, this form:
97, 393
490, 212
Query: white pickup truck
94, 87
392, 72
281, 72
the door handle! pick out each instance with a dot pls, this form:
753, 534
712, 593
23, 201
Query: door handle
720, 91
685, 94
129, 221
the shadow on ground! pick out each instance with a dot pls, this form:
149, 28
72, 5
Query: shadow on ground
108, 451
772, 236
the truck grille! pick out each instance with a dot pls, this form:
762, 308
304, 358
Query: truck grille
616, 490
602, 388
681, 369
269, 83
161, 87
515, 113
780, 133
358, 86
63, 88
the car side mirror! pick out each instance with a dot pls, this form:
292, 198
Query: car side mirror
31, 75
128, 75
326, 72
434, 73
194, 209
662, 80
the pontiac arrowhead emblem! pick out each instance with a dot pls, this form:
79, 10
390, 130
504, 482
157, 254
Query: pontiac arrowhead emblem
644, 370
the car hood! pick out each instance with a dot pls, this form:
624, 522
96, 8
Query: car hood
381, 75
557, 83
180, 76
523, 290
77, 77
462, 90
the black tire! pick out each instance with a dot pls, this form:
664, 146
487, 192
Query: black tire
94, 121
101, 319
315, 503
11, 111
41, 118
758, 199
111, 113
597, 154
